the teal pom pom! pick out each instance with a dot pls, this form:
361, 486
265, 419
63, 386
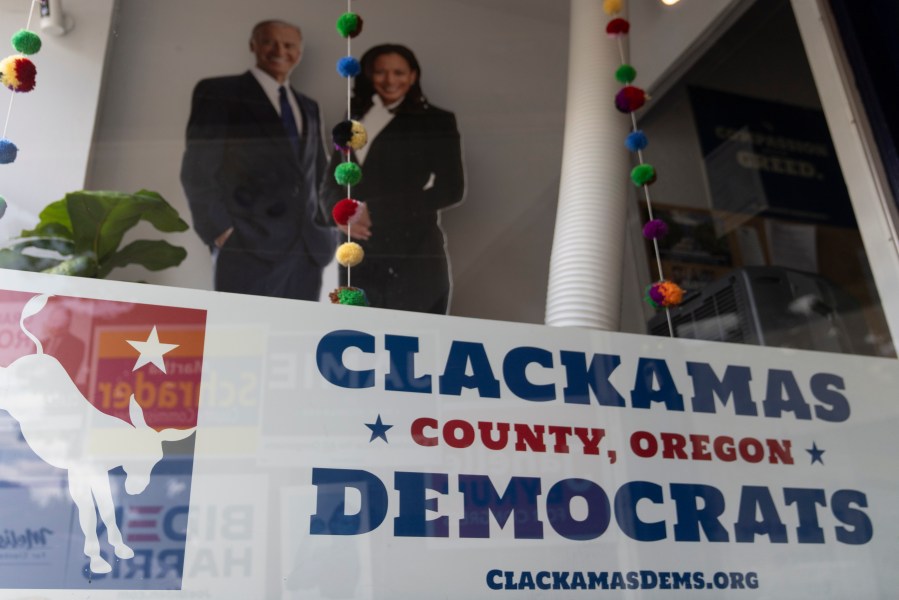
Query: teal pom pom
348, 66
348, 173
626, 74
2, 206
636, 141
349, 25
8, 151
643, 175
26, 42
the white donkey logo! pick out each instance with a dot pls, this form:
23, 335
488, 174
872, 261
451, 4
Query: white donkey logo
65, 430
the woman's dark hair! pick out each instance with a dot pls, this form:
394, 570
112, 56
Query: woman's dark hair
363, 90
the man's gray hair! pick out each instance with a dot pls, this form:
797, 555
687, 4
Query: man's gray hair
268, 22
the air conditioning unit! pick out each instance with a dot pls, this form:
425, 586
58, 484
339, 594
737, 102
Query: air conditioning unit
771, 306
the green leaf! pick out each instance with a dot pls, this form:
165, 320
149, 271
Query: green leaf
83, 265
96, 226
10, 259
154, 255
160, 213
48, 230
54, 221
100, 219
91, 226
61, 245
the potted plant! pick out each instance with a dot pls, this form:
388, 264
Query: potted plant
81, 234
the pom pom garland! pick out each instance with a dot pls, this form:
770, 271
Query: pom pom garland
26, 42
349, 135
348, 173
655, 229
8, 152
349, 254
629, 99
618, 27
625, 74
349, 295
644, 174
18, 73
636, 141
612, 7
348, 66
664, 294
345, 211
349, 25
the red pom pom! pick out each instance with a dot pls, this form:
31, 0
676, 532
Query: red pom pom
18, 73
629, 99
344, 210
617, 27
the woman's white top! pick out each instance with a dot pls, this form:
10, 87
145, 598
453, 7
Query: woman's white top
374, 121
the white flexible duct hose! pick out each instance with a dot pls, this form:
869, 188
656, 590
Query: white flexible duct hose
584, 287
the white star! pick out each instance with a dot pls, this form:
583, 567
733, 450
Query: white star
151, 351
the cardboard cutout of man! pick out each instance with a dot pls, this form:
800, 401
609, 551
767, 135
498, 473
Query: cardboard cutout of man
252, 169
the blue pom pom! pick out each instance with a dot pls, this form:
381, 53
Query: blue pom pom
8, 152
348, 66
636, 141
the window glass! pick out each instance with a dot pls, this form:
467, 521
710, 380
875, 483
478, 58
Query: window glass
762, 233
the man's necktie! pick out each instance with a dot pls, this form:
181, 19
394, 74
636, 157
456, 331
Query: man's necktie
290, 124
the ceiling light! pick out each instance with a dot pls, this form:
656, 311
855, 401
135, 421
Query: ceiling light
670, 2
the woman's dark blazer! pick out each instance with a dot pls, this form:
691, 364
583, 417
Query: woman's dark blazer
413, 169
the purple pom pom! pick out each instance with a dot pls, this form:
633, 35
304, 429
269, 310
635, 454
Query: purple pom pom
655, 229
348, 66
656, 294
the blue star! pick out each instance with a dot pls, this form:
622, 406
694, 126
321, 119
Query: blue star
816, 454
378, 430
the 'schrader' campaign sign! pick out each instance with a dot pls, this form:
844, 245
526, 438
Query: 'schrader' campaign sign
195, 444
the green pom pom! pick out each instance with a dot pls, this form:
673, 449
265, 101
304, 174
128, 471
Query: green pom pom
348, 173
643, 174
349, 25
26, 42
626, 74
2, 206
352, 297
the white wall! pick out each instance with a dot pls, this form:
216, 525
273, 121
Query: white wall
53, 125
500, 65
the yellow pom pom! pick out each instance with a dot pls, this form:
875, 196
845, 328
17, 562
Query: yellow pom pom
350, 254
612, 7
359, 137
18, 73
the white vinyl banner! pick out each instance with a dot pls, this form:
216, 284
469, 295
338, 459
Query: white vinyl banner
160, 442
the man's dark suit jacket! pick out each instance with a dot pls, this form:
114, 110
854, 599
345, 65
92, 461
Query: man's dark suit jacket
239, 170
